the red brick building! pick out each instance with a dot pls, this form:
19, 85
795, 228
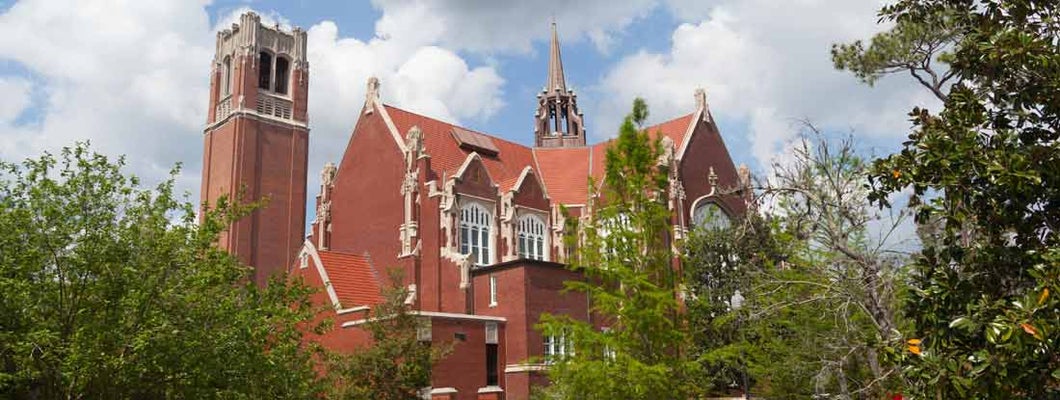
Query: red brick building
473, 220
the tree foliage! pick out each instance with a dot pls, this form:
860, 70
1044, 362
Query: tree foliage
622, 247
720, 263
819, 289
986, 171
111, 290
397, 364
919, 47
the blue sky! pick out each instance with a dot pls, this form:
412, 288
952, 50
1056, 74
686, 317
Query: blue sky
132, 76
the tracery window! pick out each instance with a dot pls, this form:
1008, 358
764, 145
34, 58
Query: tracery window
708, 215
532, 238
476, 223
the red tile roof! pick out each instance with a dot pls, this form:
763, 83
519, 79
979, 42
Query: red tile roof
447, 156
352, 277
564, 171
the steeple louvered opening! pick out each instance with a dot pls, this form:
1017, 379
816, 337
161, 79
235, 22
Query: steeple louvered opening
558, 121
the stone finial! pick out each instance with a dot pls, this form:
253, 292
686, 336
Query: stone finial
327, 175
414, 141
667, 154
745, 176
701, 98
373, 89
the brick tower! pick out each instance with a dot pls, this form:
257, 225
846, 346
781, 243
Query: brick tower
257, 138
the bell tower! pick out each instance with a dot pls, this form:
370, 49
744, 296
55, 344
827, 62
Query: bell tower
558, 123
257, 140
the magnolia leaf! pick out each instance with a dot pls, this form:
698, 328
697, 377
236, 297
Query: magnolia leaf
1031, 330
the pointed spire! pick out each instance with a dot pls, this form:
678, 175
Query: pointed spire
555, 66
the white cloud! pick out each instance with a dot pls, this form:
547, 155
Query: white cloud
132, 77
128, 76
422, 78
507, 25
766, 64
15, 99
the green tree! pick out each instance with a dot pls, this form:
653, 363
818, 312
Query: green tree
397, 364
623, 250
986, 168
111, 290
919, 47
719, 266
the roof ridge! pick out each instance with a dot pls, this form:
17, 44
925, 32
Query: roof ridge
452, 124
670, 120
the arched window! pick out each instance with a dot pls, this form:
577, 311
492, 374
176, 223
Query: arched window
475, 225
226, 76
532, 238
708, 215
264, 70
282, 71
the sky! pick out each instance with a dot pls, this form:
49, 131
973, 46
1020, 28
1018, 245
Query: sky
132, 76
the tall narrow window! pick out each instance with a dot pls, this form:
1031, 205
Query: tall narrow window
282, 71
226, 77
491, 365
475, 225
264, 70
493, 290
492, 339
532, 238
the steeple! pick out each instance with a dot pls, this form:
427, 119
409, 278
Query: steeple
556, 81
558, 123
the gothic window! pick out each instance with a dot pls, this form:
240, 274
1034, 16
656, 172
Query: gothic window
475, 225
615, 233
264, 70
555, 347
532, 238
226, 77
708, 215
282, 72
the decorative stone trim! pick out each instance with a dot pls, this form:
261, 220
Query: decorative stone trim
702, 113
507, 228
309, 249
521, 368
491, 389
435, 314
408, 231
558, 222
352, 310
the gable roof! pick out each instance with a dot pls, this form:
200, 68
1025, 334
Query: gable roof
563, 171
352, 277
447, 155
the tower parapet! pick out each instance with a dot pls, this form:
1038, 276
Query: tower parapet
261, 71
